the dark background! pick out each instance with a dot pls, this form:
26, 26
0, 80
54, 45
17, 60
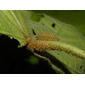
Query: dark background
13, 59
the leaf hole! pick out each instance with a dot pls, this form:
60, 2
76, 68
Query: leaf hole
53, 25
81, 66
33, 32
42, 15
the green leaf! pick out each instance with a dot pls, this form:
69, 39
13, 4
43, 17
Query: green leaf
18, 24
68, 34
9, 26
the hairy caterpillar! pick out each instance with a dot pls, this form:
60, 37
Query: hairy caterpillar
40, 45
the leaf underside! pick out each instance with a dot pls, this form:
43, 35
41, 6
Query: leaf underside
17, 24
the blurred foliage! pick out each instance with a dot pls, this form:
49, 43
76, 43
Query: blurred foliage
32, 60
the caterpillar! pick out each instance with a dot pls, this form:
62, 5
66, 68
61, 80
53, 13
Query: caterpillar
54, 45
